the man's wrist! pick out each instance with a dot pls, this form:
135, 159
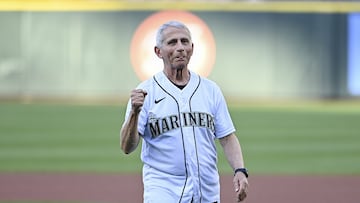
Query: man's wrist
242, 170
135, 110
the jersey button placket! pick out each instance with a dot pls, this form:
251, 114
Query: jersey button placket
191, 160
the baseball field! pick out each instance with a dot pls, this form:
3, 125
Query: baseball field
297, 152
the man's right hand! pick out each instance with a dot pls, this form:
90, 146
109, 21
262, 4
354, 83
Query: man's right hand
137, 99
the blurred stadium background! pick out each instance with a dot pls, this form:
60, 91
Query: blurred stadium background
265, 50
289, 69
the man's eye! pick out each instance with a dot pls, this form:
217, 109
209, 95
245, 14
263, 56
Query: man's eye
185, 41
172, 42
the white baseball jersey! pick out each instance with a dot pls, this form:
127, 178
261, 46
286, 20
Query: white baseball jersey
179, 128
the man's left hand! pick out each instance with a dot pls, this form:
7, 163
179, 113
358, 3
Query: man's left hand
241, 186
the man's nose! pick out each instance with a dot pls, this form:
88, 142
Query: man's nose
180, 47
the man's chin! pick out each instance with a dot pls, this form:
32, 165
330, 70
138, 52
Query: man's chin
180, 66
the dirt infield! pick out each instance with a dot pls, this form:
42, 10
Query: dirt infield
111, 188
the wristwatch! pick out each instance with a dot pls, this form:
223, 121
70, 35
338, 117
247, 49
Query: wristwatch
242, 170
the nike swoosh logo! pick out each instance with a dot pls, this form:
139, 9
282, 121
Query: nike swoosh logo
159, 100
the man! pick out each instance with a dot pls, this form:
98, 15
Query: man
179, 114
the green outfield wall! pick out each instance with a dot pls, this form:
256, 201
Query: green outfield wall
273, 53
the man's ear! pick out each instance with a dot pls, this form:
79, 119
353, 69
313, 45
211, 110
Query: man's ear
157, 52
192, 45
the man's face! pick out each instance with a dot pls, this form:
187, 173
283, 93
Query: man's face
176, 49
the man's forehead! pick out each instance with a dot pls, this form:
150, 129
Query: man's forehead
176, 32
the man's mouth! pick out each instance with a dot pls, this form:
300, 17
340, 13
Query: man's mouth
180, 58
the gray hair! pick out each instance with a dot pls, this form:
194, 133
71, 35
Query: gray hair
173, 23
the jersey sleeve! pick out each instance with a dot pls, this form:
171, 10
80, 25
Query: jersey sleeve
223, 122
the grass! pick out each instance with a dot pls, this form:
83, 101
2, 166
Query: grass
310, 139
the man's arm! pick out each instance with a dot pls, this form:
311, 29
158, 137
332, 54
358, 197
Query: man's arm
233, 153
129, 135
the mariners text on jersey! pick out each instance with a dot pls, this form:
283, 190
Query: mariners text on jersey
159, 126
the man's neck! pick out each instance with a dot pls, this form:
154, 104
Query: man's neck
179, 77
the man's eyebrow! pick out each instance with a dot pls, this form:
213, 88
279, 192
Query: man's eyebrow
172, 40
181, 39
